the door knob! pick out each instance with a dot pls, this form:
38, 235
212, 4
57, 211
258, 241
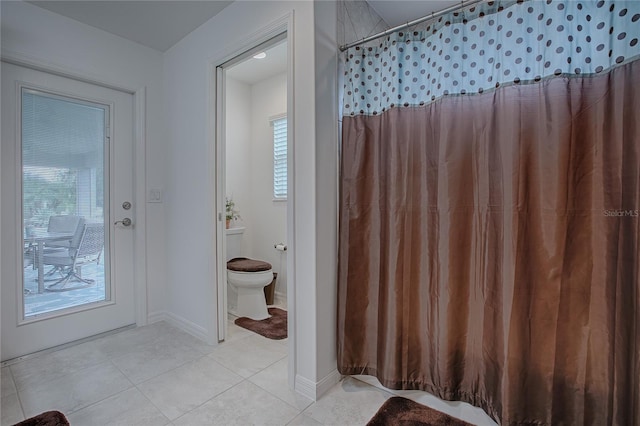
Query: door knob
126, 222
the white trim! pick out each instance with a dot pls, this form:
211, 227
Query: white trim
27, 61
277, 117
327, 382
37, 354
314, 390
140, 204
19, 200
280, 299
218, 132
108, 107
264, 34
156, 316
179, 322
291, 208
1, 257
305, 387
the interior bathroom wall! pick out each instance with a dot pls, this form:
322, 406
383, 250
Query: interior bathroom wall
268, 99
238, 171
249, 169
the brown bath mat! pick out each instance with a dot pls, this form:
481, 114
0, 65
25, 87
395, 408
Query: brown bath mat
272, 328
402, 411
48, 418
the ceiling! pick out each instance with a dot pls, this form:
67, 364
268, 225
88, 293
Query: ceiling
161, 24
394, 15
155, 24
254, 70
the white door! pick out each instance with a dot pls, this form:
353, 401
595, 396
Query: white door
66, 268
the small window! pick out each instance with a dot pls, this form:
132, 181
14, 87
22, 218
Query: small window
279, 158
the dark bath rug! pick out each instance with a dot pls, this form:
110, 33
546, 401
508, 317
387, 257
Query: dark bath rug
272, 328
48, 418
398, 411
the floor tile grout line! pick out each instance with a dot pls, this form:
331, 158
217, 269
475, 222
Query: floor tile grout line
170, 371
159, 374
100, 401
58, 348
302, 414
213, 397
132, 385
273, 394
153, 404
72, 411
261, 370
64, 375
13, 380
201, 355
210, 399
24, 416
300, 411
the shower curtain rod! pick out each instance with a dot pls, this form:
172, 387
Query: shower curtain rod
433, 15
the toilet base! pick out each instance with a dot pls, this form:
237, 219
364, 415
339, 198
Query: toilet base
251, 304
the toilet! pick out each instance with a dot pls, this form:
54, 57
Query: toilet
246, 279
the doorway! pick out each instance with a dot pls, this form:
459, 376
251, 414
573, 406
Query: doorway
67, 265
254, 157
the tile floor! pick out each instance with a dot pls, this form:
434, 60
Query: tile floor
158, 375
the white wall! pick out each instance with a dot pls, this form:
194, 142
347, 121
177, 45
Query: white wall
326, 183
238, 155
269, 218
39, 36
191, 190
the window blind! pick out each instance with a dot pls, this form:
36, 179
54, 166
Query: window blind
280, 158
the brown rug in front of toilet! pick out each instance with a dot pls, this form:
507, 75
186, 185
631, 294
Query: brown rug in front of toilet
403, 411
274, 327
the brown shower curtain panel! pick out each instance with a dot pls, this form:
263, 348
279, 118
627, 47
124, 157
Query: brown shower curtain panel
489, 249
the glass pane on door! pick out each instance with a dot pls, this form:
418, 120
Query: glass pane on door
64, 196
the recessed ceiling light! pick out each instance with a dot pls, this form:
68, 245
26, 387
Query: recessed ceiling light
260, 55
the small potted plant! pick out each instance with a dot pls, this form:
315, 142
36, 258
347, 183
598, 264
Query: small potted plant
231, 212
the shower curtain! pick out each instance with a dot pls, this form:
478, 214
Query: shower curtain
490, 194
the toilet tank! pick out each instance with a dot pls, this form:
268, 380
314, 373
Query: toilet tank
234, 242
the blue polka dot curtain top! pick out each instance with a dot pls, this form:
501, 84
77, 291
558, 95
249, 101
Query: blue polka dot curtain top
483, 47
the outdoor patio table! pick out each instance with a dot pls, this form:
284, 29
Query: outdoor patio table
38, 238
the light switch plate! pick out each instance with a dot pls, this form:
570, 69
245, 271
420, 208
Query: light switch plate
154, 195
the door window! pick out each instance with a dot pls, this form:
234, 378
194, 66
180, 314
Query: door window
64, 165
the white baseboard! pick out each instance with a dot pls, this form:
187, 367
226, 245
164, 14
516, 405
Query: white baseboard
280, 299
305, 387
157, 317
314, 390
327, 382
179, 322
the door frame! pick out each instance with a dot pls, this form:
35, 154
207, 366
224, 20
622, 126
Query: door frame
216, 154
139, 175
